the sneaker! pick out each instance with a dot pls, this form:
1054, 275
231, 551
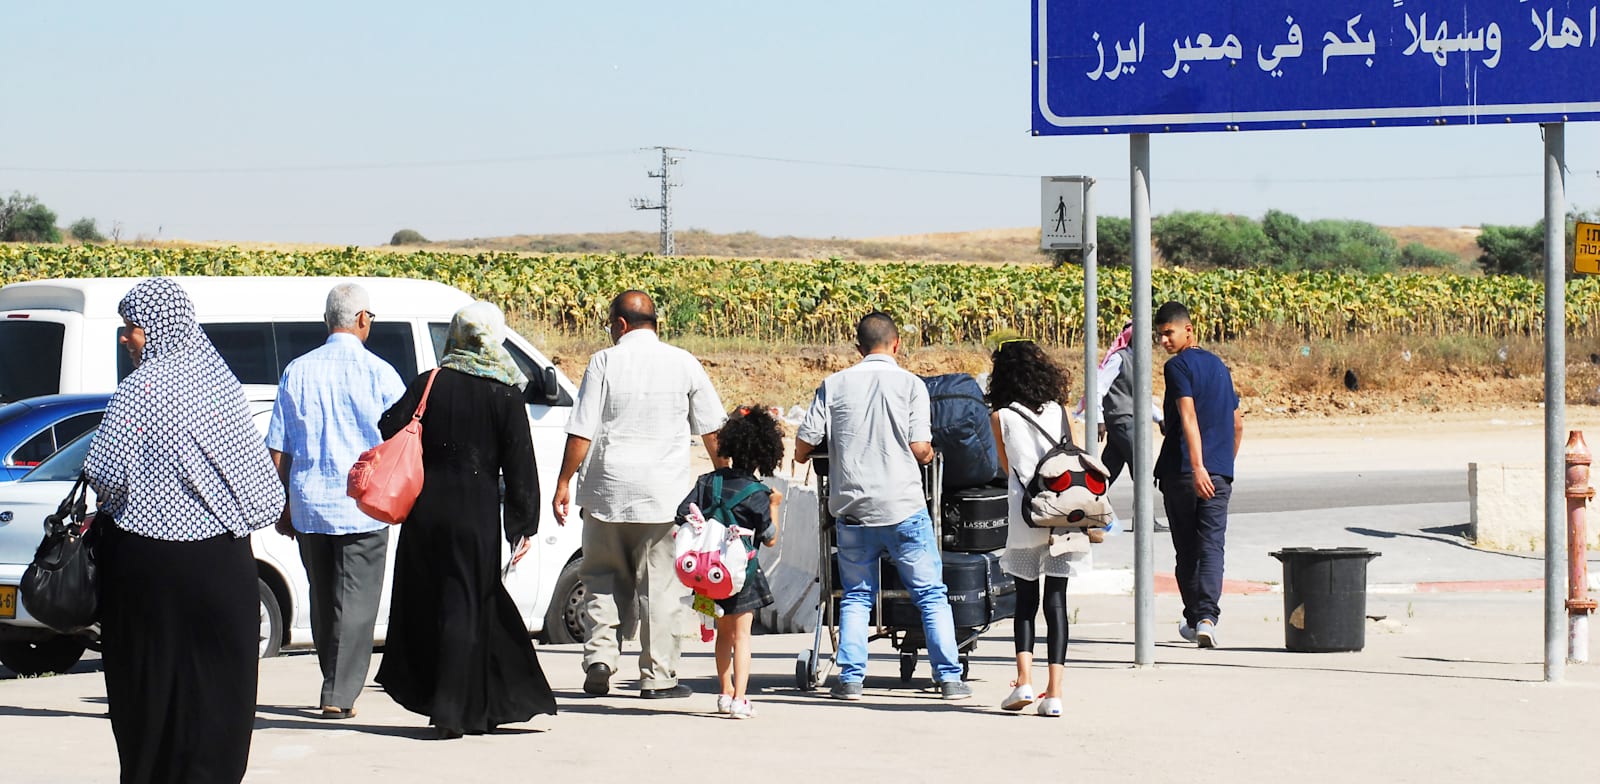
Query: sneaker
1020, 697
1160, 527
1186, 631
846, 690
1205, 634
954, 690
741, 709
1050, 707
724, 703
597, 680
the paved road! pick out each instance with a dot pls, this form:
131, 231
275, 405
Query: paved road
1432, 698
1291, 492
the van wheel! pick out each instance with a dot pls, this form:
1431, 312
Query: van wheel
56, 654
271, 621
563, 622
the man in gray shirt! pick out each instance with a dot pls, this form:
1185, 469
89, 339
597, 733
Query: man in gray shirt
875, 418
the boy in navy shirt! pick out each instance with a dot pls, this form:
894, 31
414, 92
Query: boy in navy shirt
1194, 469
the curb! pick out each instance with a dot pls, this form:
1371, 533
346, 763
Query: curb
1119, 582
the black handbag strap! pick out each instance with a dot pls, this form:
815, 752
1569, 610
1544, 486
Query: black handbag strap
73, 512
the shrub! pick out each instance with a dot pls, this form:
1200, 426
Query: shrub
1418, 256
85, 230
408, 237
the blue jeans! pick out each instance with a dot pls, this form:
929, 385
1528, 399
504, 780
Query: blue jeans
914, 550
1199, 538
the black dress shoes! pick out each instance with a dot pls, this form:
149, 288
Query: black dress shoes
597, 681
671, 692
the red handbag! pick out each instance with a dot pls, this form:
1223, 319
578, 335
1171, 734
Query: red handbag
386, 479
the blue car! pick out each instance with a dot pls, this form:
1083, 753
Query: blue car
33, 429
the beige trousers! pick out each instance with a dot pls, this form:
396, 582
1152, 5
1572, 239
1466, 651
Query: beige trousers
624, 563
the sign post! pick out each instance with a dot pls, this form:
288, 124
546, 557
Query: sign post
1067, 222
1148, 67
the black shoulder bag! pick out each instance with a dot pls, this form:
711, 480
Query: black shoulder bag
59, 587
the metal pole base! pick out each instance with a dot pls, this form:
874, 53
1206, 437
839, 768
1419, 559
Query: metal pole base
1578, 638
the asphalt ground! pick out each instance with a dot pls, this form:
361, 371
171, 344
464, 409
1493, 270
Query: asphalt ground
1448, 687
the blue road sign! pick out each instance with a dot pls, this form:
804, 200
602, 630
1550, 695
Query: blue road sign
1139, 66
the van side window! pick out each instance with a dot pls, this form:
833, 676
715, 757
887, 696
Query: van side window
257, 352
248, 349
30, 358
393, 342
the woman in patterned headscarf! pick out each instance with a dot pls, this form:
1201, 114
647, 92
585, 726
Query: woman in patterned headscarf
457, 650
183, 477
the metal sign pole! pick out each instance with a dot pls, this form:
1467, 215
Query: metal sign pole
1091, 325
1144, 646
1555, 400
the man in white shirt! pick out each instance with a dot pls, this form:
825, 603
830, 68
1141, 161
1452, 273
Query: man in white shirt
639, 404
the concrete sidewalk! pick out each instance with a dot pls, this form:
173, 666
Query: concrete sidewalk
1448, 688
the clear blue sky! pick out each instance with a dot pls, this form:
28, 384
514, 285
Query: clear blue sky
298, 121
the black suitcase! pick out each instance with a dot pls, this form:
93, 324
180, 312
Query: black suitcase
980, 593
975, 520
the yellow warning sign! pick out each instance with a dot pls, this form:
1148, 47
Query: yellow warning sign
1586, 251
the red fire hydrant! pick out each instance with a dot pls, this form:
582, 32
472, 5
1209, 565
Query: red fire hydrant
1579, 605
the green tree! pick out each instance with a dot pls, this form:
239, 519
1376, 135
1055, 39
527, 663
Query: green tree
24, 219
407, 237
1209, 239
1114, 241
85, 230
1512, 250
1418, 256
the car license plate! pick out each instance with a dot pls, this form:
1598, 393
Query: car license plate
8, 601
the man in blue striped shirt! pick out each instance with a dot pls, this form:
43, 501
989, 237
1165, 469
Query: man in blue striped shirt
326, 415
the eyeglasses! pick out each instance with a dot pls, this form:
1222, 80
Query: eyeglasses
370, 315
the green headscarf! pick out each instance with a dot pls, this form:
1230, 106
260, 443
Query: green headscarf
474, 345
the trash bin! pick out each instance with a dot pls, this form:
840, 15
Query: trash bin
1325, 598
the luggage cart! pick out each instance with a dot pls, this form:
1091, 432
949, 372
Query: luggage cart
810, 668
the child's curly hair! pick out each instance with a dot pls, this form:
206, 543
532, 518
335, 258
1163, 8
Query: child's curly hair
752, 439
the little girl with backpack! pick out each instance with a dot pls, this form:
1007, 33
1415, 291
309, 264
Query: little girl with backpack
750, 443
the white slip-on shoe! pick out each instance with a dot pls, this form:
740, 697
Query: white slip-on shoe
1050, 707
1019, 698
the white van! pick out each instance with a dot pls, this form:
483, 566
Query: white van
60, 336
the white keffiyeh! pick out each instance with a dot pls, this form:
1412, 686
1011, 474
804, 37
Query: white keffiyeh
176, 456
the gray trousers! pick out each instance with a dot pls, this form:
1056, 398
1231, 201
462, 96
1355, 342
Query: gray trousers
625, 563
346, 576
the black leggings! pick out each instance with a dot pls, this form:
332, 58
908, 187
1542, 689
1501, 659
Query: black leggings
1055, 617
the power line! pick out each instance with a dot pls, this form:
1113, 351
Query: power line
1200, 180
331, 167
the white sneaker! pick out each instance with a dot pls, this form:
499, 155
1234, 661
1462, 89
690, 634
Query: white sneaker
741, 709
1205, 634
724, 703
1050, 707
1020, 697
1186, 631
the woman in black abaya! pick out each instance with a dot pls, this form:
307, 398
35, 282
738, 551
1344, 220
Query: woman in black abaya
183, 477
457, 649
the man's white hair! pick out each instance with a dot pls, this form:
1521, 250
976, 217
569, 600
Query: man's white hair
345, 303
